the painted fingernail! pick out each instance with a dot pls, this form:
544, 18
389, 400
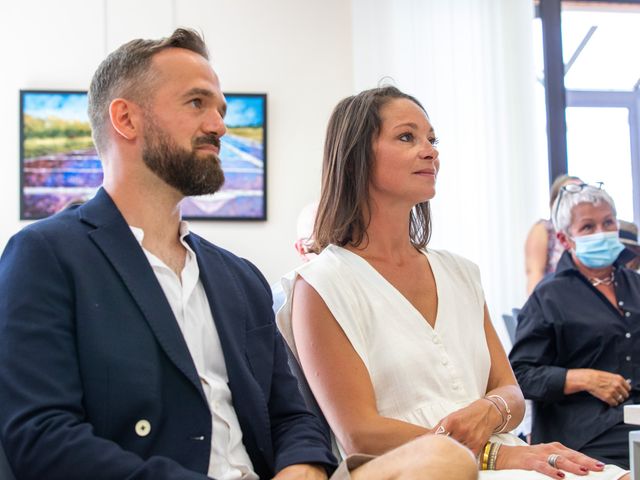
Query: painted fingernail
599, 464
584, 469
560, 474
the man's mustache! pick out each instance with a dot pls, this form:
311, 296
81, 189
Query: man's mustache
210, 139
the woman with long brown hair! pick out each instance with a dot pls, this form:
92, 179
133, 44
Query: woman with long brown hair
395, 338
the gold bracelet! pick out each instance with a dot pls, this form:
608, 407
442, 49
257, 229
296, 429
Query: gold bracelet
485, 456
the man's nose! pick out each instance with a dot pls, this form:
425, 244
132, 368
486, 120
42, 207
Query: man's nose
215, 124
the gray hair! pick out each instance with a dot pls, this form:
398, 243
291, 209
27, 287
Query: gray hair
126, 73
562, 211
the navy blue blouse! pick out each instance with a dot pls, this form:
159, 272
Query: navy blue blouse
567, 323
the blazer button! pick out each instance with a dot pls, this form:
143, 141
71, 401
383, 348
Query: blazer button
143, 428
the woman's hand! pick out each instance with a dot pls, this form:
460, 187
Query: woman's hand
536, 457
472, 426
301, 472
611, 388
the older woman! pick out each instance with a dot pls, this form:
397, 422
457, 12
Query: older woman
577, 349
394, 338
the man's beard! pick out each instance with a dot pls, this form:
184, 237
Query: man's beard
184, 170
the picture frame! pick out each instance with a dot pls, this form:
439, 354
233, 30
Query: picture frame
60, 166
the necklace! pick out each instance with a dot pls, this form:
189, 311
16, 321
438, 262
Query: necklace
595, 281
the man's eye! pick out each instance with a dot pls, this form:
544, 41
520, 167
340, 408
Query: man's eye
196, 102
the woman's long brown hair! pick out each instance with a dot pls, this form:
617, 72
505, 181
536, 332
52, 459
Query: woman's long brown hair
343, 211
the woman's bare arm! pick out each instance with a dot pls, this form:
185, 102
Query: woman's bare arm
340, 381
535, 254
502, 381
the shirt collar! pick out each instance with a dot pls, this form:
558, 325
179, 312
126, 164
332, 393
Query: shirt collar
183, 230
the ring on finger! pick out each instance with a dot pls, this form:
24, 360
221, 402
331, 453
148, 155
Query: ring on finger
620, 398
553, 460
441, 431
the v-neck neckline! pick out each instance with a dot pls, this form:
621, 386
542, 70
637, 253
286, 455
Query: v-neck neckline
389, 286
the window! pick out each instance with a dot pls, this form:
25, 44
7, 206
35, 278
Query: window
601, 82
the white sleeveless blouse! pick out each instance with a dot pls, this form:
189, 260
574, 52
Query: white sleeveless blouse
419, 374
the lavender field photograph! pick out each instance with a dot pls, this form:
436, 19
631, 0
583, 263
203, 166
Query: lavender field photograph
242, 154
60, 165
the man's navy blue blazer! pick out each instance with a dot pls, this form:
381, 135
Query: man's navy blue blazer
89, 347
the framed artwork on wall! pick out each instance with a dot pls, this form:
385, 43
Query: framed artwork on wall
59, 164
243, 155
58, 161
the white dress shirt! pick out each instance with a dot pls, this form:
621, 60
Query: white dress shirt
186, 295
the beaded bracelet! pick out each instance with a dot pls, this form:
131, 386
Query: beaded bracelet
493, 455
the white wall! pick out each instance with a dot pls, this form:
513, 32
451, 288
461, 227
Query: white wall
297, 51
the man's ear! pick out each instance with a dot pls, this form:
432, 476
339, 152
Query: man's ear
563, 238
125, 118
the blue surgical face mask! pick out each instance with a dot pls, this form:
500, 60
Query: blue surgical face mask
598, 250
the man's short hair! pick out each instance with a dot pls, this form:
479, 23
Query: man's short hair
127, 73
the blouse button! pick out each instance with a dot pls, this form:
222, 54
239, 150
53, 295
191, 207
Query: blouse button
620, 303
143, 428
445, 361
628, 357
627, 314
628, 335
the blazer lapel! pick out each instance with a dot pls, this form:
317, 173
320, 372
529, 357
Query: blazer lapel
114, 238
228, 303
